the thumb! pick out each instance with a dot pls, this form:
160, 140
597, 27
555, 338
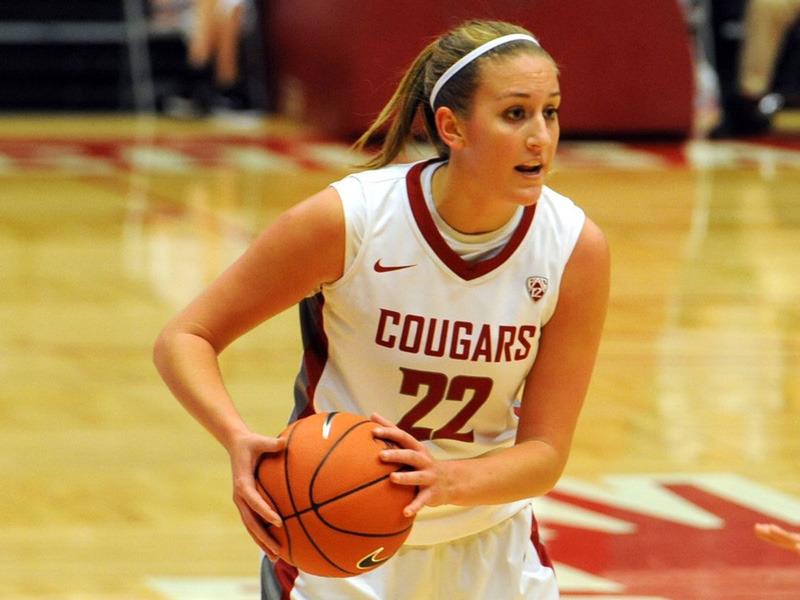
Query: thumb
268, 445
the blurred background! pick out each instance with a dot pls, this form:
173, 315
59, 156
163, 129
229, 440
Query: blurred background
333, 64
143, 143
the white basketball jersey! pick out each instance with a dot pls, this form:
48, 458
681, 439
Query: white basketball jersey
435, 344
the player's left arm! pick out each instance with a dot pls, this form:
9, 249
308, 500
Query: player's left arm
552, 399
556, 387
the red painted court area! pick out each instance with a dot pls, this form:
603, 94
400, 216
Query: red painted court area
683, 541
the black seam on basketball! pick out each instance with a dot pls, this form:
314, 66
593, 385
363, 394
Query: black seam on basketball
324, 459
275, 506
327, 455
286, 531
335, 444
320, 551
316, 506
288, 456
363, 533
309, 537
269, 497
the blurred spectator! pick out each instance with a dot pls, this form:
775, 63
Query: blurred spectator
216, 39
748, 100
214, 30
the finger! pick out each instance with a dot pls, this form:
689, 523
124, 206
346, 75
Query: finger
762, 531
413, 478
400, 437
271, 556
276, 444
267, 550
381, 420
776, 529
411, 458
269, 446
763, 536
258, 505
770, 532
417, 503
251, 494
777, 533
259, 533
778, 540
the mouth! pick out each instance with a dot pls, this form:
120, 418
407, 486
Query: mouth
530, 168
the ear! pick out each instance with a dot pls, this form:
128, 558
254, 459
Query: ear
450, 128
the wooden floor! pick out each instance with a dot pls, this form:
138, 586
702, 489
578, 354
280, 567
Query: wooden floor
691, 432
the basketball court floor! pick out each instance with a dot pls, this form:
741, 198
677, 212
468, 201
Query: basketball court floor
108, 225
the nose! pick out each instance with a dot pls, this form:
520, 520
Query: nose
538, 134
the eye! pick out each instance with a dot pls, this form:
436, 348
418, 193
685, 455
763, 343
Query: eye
516, 113
551, 113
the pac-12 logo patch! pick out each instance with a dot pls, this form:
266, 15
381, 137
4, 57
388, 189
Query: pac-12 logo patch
537, 287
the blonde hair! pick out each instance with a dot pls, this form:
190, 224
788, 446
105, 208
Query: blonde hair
411, 98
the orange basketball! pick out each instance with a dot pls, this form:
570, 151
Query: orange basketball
341, 513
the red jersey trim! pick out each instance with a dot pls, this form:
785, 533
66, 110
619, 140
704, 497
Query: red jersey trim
430, 232
286, 575
536, 540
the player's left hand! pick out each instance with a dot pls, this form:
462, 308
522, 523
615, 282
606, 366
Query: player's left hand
427, 474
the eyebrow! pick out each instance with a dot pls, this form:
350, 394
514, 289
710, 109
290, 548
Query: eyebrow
554, 94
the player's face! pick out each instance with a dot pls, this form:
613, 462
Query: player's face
512, 130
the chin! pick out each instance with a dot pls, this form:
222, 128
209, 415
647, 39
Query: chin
529, 196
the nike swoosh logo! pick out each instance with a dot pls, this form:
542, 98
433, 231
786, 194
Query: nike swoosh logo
379, 268
371, 560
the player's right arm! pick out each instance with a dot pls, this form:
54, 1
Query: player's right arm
289, 260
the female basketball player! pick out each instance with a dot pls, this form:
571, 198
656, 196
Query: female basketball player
458, 301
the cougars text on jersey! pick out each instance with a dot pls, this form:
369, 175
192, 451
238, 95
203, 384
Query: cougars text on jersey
454, 339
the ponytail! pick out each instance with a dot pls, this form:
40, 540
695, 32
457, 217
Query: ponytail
412, 96
401, 110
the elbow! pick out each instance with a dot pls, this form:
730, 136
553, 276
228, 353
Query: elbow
550, 479
166, 346
180, 339
557, 464
550, 465
160, 350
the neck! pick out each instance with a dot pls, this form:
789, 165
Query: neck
464, 205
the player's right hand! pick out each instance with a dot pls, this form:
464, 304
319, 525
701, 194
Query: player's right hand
244, 452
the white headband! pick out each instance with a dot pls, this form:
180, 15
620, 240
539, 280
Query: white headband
468, 58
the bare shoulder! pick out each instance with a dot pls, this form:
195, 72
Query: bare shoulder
320, 213
299, 251
592, 246
587, 275
311, 232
